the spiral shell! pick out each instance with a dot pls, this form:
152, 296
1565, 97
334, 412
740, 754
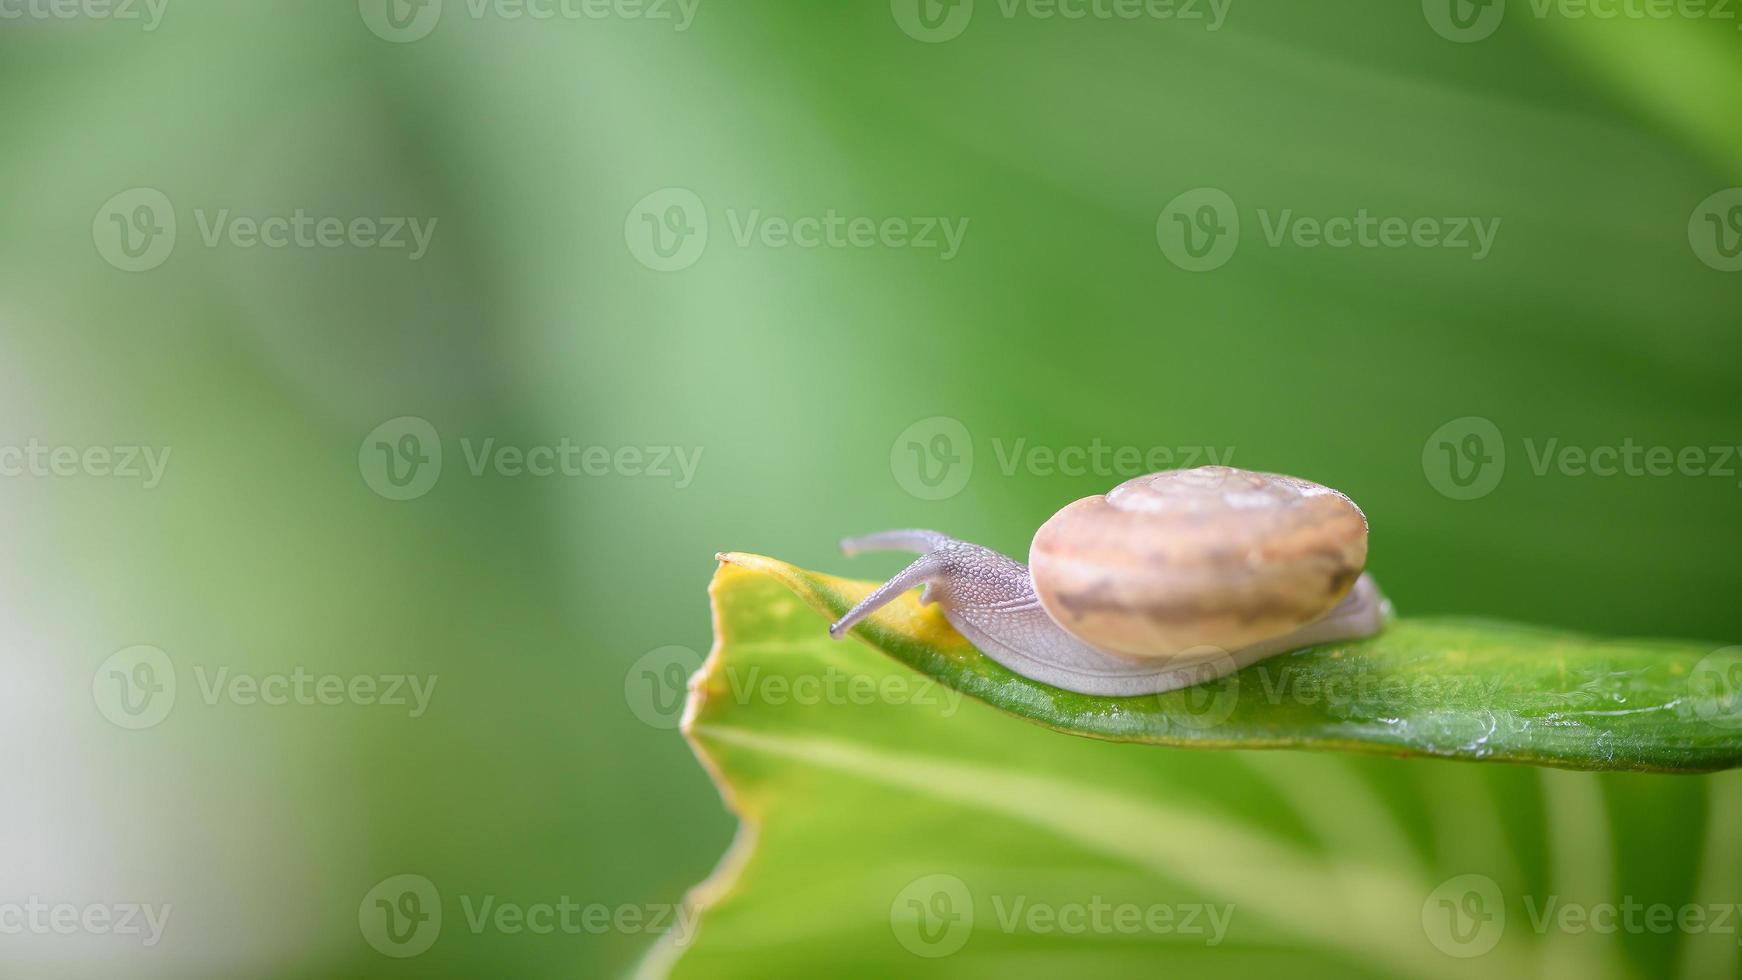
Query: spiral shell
1212, 556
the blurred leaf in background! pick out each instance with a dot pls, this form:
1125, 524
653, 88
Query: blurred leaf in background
543, 158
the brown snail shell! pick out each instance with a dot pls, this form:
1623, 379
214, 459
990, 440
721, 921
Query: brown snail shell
1212, 556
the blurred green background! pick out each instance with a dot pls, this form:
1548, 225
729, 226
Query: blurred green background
543, 766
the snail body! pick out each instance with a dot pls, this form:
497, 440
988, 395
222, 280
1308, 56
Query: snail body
1168, 580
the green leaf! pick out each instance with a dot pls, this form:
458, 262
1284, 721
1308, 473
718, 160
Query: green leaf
894, 827
1450, 688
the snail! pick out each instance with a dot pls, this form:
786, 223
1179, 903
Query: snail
1168, 580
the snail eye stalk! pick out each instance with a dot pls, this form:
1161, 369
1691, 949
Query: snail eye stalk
925, 569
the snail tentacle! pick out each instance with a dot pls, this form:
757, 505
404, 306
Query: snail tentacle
907, 539
921, 572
